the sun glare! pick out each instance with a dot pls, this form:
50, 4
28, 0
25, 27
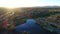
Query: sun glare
17, 3
10, 7
8, 4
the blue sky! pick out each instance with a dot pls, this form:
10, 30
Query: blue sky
51, 2
28, 3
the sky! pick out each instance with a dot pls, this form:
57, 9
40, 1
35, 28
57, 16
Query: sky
28, 3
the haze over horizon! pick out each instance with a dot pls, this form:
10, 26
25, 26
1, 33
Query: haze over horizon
28, 3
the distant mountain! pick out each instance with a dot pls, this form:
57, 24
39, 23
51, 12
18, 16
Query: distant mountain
37, 7
50, 7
